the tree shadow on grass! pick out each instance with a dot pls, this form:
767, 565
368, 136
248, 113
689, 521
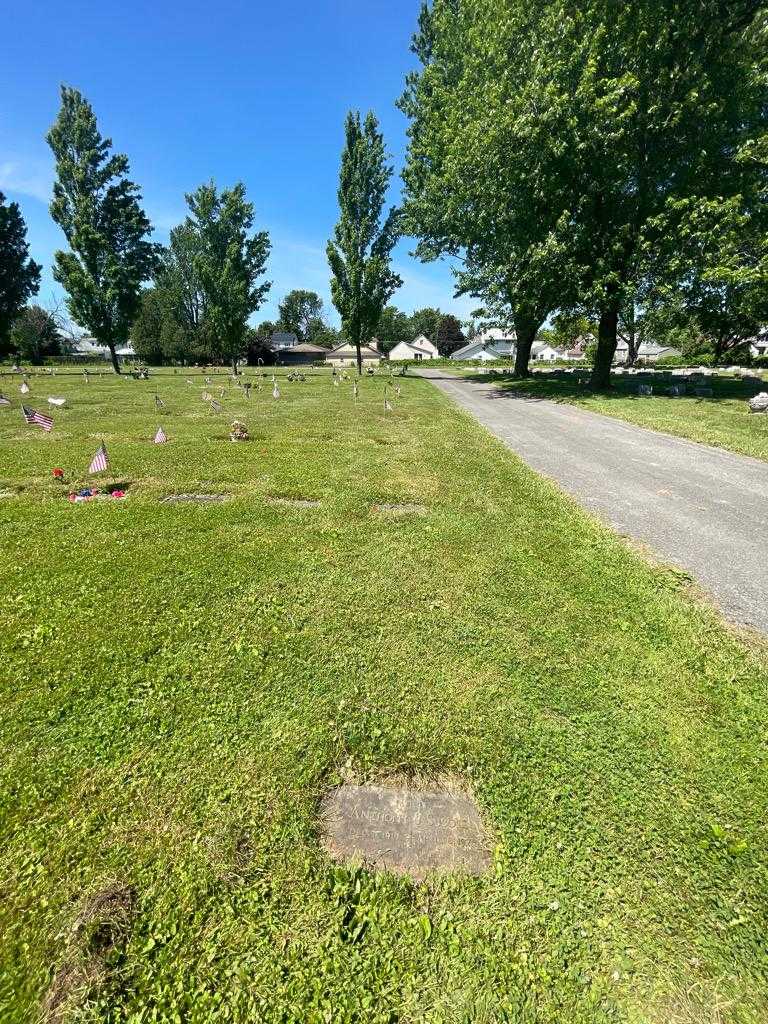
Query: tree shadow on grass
549, 387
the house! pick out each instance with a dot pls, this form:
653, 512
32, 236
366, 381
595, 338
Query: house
300, 355
418, 349
88, 348
346, 355
542, 352
283, 339
648, 351
491, 344
759, 346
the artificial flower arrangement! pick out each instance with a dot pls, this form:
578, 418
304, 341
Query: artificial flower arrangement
239, 432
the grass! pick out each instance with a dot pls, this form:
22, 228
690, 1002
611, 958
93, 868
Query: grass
723, 420
182, 684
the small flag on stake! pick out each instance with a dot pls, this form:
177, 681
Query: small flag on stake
354, 390
216, 407
275, 391
160, 436
100, 460
159, 403
24, 389
247, 389
336, 381
33, 416
397, 391
206, 396
4, 400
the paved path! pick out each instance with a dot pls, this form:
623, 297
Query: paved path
700, 508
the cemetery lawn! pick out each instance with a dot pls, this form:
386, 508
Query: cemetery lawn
183, 683
723, 420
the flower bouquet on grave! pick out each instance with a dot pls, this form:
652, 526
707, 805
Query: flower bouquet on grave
239, 432
58, 475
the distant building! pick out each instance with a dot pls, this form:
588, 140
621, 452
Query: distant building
759, 346
418, 349
303, 354
648, 351
346, 355
491, 344
283, 339
88, 348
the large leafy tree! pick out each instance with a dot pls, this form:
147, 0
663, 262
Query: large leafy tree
394, 326
227, 262
301, 312
424, 321
450, 336
98, 209
35, 335
476, 185
359, 253
654, 101
19, 275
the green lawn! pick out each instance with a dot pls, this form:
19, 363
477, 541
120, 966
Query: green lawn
182, 684
723, 420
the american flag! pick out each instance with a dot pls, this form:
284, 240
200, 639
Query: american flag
33, 416
4, 400
354, 389
100, 460
216, 406
206, 396
275, 391
159, 403
160, 436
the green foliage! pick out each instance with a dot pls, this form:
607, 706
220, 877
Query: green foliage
394, 326
425, 321
99, 211
359, 253
227, 263
449, 336
35, 336
300, 312
19, 275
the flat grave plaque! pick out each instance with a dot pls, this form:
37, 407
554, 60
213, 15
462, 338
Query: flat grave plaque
295, 502
175, 499
407, 508
404, 830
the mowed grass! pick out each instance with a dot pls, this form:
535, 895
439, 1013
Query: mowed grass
183, 683
724, 420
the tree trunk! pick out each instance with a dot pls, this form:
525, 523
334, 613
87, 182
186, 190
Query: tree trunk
113, 357
606, 349
235, 369
523, 345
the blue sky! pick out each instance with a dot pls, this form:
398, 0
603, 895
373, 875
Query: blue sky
249, 91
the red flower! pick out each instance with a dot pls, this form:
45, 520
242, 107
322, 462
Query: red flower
58, 474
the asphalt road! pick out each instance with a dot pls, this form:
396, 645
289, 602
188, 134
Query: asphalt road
699, 508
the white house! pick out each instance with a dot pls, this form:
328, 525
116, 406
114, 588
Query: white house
283, 339
418, 349
648, 351
759, 346
346, 355
541, 352
491, 344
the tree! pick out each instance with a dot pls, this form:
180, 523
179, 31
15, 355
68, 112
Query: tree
359, 253
424, 321
99, 211
475, 186
227, 263
35, 335
19, 275
394, 326
655, 99
299, 312
449, 335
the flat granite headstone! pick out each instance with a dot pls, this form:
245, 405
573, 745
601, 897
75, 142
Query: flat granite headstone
174, 499
295, 502
407, 831
403, 509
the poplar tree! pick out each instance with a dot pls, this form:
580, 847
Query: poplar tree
98, 209
360, 251
226, 262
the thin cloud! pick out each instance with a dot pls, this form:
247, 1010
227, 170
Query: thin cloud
26, 179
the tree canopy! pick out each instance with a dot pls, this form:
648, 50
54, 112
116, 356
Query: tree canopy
35, 335
98, 209
19, 275
359, 254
